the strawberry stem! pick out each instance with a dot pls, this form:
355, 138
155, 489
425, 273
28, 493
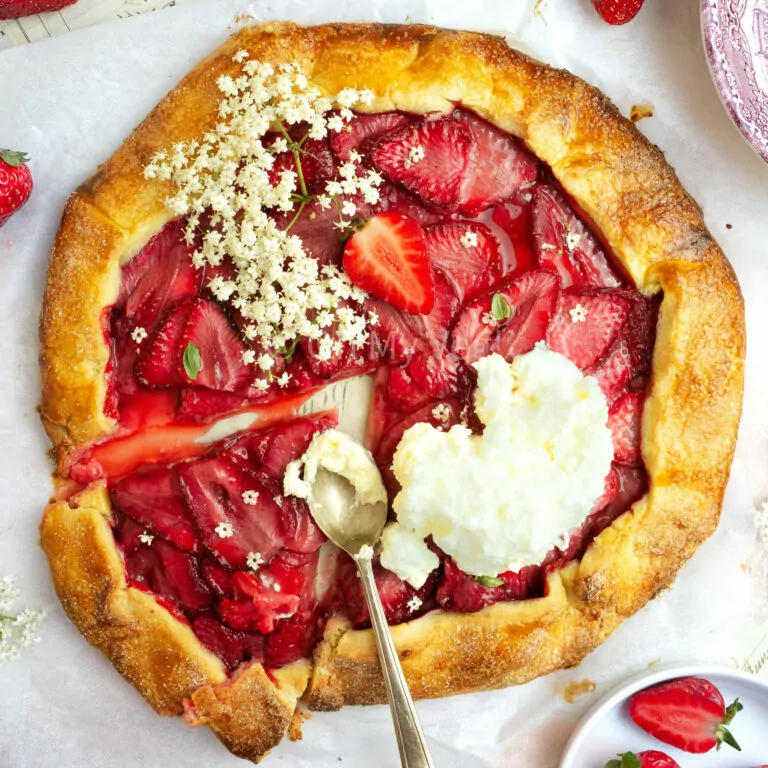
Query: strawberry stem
13, 158
627, 760
723, 735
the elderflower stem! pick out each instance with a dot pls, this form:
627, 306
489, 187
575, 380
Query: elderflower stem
296, 217
7, 618
294, 147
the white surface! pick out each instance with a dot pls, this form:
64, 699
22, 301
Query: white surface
71, 101
608, 729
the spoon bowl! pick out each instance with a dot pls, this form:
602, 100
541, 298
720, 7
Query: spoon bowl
347, 523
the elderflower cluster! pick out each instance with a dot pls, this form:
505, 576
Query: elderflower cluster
17, 633
224, 186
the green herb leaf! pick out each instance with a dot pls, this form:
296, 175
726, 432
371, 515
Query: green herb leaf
499, 308
192, 361
13, 158
490, 581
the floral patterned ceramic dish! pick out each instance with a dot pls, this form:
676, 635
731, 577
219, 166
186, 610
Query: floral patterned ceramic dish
736, 41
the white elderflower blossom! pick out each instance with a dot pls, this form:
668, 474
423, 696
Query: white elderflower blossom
225, 179
469, 239
17, 633
578, 313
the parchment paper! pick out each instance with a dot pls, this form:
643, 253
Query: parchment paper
71, 101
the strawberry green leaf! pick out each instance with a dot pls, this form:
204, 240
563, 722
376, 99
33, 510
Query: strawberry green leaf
192, 361
13, 158
724, 736
627, 760
500, 308
490, 581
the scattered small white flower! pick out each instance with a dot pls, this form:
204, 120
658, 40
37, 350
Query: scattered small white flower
572, 240
324, 202
146, 538
416, 155
469, 239
254, 560
578, 313
373, 318
414, 604
250, 497
441, 412
348, 208
17, 633
224, 530
138, 335
488, 319
283, 379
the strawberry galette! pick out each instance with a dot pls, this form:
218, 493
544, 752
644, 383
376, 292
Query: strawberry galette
556, 344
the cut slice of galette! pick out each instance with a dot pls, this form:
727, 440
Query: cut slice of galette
555, 339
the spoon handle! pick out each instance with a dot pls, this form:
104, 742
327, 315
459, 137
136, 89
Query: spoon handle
414, 752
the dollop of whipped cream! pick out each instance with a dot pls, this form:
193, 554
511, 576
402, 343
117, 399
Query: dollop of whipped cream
338, 453
501, 500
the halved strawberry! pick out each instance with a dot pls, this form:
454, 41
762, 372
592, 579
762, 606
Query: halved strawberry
531, 301
499, 166
651, 758
157, 278
229, 527
220, 350
471, 269
430, 158
153, 498
317, 165
565, 245
363, 128
272, 450
159, 366
163, 568
624, 420
393, 197
230, 646
514, 219
387, 257
688, 713
587, 323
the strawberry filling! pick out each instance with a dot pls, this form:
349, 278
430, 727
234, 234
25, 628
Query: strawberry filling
472, 249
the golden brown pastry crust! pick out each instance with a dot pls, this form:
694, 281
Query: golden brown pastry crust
621, 182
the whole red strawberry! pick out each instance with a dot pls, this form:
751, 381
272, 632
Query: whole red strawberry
618, 11
15, 182
688, 713
648, 759
15, 9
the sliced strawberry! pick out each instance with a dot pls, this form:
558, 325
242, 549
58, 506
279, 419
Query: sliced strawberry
159, 366
531, 300
440, 376
429, 158
292, 639
458, 591
688, 713
233, 648
317, 165
395, 595
642, 338
147, 408
403, 392
565, 245
388, 258
218, 578
259, 607
393, 197
123, 356
153, 498
471, 269
158, 278
200, 406
392, 336
163, 569
514, 219
586, 342
363, 128
434, 326
614, 373
624, 420
213, 489
499, 167
220, 350
272, 450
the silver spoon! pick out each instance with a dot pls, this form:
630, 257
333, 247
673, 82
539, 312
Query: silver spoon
352, 526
